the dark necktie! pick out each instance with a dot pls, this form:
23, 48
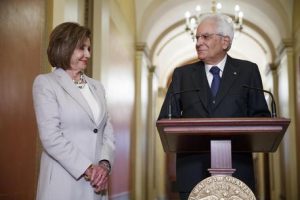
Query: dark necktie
216, 80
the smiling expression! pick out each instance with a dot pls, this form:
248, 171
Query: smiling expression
80, 56
211, 46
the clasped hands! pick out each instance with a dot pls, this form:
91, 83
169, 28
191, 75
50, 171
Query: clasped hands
98, 177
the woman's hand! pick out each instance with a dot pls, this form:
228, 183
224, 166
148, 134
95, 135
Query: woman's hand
103, 186
88, 173
99, 177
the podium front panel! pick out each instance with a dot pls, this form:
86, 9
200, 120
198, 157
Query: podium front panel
245, 134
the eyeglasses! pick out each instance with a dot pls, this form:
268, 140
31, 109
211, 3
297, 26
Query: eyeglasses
207, 36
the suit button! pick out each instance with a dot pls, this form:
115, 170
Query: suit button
214, 102
95, 130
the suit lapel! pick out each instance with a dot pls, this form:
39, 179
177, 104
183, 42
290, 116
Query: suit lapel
229, 76
67, 84
200, 82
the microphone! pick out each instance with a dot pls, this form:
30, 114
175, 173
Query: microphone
273, 105
175, 93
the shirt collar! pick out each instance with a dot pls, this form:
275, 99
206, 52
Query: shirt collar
221, 65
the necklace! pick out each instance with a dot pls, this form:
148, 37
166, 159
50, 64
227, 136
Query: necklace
81, 82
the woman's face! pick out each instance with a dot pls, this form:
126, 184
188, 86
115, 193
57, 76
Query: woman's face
80, 56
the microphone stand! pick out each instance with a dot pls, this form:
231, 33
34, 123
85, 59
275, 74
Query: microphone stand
273, 105
173, 94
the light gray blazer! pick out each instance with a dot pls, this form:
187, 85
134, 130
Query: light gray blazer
70, 136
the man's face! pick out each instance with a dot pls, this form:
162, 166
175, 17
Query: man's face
211, 46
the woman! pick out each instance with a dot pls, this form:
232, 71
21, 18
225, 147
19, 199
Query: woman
74, 126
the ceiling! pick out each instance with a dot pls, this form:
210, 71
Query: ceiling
160, 25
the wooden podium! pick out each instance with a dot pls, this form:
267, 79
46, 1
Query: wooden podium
221, 136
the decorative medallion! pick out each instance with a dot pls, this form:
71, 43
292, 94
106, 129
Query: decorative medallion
221, 187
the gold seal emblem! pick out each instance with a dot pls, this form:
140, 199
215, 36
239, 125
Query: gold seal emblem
221, 187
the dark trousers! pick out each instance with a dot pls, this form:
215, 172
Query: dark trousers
184, 195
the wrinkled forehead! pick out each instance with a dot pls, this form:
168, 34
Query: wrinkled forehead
207, 26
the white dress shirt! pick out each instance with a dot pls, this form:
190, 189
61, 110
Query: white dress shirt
209, 75
86, 92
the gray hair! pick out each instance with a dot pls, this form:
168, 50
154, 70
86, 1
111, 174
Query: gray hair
224, 24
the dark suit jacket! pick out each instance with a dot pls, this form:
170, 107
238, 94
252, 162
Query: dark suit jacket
232, 100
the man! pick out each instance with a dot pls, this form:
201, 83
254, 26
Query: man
214, 89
